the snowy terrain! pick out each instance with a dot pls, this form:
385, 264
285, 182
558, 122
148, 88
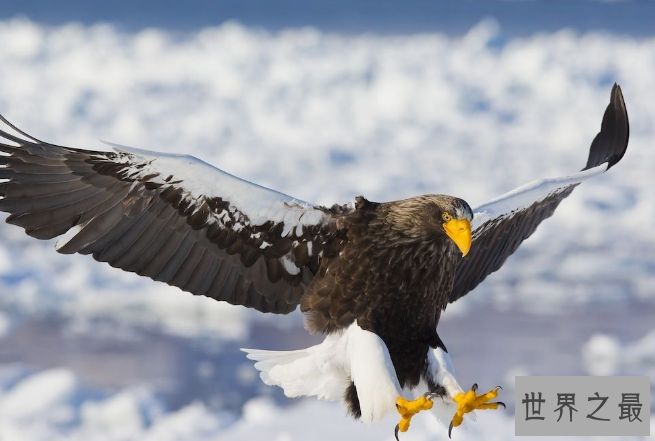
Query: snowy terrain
66, 410
325, 117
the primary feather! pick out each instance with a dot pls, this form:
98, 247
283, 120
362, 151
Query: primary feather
172, 218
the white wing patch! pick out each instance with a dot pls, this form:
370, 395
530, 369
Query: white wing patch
289, 266
526, 195
66, 237
200, 179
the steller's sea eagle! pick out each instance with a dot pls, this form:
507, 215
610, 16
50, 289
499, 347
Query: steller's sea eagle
374, 277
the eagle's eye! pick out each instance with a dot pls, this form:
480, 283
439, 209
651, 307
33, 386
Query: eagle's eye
446, 217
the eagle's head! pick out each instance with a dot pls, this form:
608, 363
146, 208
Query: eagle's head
433, 215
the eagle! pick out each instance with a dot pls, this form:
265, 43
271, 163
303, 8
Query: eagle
373, 277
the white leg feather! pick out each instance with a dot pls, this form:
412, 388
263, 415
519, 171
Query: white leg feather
373, 373
441, 372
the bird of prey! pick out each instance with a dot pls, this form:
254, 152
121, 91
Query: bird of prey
373, 277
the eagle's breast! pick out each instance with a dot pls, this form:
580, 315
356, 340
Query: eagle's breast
390, 282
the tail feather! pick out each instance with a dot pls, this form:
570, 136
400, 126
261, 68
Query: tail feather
300, 373
266, 360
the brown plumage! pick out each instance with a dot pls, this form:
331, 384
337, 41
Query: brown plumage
393, 276
397, 262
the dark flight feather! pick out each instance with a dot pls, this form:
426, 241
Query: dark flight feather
109, 205
498, 238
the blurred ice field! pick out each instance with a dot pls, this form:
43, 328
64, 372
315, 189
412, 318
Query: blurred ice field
89, 352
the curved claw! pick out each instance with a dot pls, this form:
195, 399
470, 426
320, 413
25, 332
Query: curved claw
469, 401
395, 432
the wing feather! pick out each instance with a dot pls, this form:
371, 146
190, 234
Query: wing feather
502, 224
172, 218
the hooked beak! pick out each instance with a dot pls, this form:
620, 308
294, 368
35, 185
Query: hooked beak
460, 232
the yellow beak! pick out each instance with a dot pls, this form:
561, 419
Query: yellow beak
460, 232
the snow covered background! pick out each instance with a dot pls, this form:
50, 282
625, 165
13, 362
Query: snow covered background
88, 352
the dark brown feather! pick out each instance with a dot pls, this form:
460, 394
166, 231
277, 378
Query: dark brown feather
392, 276
145, 224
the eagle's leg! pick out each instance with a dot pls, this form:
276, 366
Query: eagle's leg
439, 373
375, 381
440, 378
372, 374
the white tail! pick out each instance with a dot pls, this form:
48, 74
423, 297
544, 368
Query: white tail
306, 372
326, 370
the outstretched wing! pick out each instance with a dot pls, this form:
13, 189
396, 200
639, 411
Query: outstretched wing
500, 225
172, 218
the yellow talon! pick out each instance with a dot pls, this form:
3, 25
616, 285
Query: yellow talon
469, 401
407, 409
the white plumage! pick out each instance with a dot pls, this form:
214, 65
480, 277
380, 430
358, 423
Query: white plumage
200, 179
526, 195
325, 371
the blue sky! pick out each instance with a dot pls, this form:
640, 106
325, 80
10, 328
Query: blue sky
380, 16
